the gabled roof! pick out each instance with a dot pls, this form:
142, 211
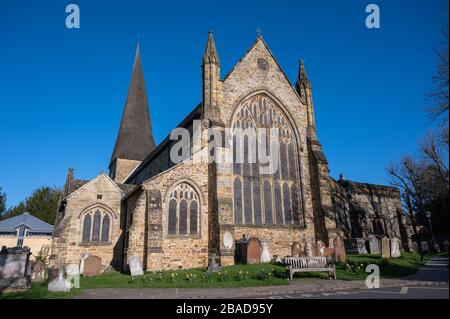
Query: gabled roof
102, 174
33, 223
135, 139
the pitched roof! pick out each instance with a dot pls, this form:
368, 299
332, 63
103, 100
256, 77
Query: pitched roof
135, 139
35, 224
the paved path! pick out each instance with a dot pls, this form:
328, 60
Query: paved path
433, 275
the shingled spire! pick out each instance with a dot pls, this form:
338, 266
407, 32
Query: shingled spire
135, 139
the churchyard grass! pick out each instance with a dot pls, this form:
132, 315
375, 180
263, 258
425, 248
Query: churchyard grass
354, 267
232, 277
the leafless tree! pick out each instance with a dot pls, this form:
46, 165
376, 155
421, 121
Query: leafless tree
439, 93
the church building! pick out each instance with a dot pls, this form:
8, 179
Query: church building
175, 215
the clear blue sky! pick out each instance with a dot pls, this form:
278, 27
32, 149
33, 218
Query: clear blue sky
62, 91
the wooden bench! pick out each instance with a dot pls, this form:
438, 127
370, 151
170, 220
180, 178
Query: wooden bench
310, 264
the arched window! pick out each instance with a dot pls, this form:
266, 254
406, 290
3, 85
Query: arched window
96, 226
183, 216
87, 228
193, 218
265, 197
172, 228
105, 229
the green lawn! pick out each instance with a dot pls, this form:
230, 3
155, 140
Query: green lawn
232, 276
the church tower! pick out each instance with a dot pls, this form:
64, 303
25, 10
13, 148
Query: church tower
135, 139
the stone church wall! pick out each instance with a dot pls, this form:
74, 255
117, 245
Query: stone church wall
148, 235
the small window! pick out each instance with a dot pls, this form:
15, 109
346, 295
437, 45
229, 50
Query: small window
99, 196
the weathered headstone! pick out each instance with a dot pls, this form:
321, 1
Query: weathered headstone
213, 263
59, 284
72, 269
309, 249
320, 248
38, 270
92, 266
296, 249
425, 247
14, 268
328, 252
266, 257
82, 260
385, 247
356, 246
339, 248
135, 266
253, 251
395, 248
374, 244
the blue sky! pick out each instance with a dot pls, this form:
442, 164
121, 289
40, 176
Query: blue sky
62, 91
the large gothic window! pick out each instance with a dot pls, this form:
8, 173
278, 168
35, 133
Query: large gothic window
96, 227
260, 198
183, 215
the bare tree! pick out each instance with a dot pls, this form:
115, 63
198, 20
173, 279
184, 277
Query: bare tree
439, 93
433, 154
405, 177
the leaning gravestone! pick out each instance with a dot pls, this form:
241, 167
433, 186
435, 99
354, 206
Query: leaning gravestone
253, 251
265, 254
92, 266
385, 248
374, 244
339, 248
296, 249
135, 266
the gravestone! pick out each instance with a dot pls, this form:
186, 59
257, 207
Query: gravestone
82, 260
59, 284
339, 248
355, 246
309, 249
135, 265
425, 247
374, 244
328, 252
213, 263
72, 269
265, 254
385, 248
296, 249
253, 251
14, 268
38, 270
320, 248
395, 248
92, 266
